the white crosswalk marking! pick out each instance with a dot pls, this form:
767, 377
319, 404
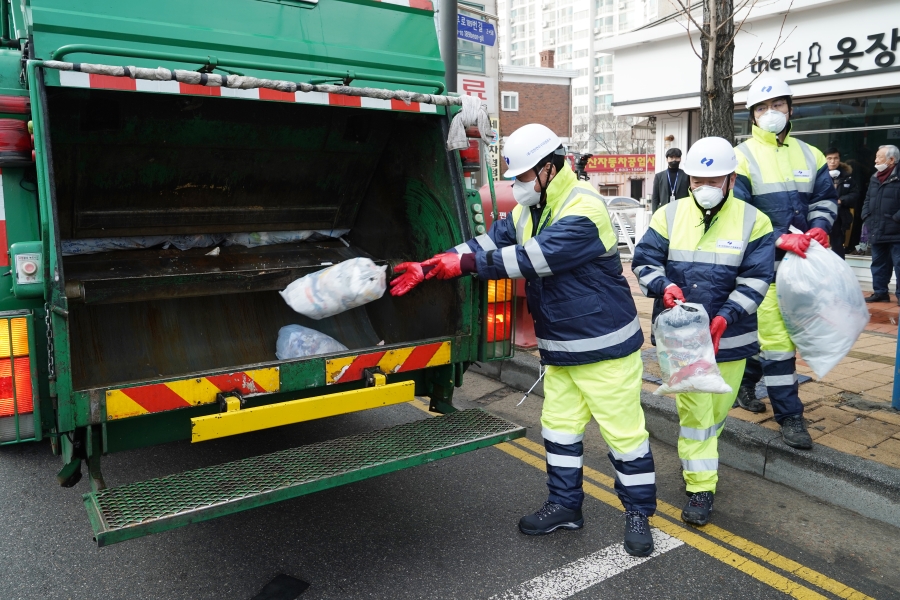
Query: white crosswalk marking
574, 577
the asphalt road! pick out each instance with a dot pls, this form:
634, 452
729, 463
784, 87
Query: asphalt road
444, 530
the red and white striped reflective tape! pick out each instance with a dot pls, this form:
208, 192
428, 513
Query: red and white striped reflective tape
85, 80
423, 4
4, 240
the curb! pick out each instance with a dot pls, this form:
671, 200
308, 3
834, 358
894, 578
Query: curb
857, 484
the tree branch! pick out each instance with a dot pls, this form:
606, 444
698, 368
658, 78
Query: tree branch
741, 26
687, 11
736, 10
745, 68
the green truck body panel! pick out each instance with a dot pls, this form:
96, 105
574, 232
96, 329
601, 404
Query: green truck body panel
113, 158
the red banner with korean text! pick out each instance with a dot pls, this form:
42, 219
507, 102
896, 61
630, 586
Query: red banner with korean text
621, 163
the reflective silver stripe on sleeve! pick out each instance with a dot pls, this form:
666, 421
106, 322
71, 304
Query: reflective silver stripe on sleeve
776, 355
671, 208
521, 224
639, 479
511, 262
821, 214
538, 261
485, 241
639, 452
571, 462
808, 186
560, 437
749, 222
729, 343
700, 435
779, 380
591, 344
713, 258
823, 204
648, 274
757, 285
463, 249
701, 464
746, 303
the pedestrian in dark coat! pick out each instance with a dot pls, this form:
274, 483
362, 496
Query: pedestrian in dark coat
848, 195
881, 212
671, 184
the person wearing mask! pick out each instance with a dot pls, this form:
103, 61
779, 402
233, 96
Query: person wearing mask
848, 195
560, 239
726, 266
788, 180
671, 183
881, 214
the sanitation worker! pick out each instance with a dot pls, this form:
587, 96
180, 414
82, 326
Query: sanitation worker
788, 180
712, 249
561, 241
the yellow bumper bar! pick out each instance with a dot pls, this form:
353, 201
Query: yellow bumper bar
235, 421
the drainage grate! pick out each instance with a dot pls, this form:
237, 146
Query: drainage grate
146, 507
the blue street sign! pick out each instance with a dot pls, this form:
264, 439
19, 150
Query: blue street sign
475, 30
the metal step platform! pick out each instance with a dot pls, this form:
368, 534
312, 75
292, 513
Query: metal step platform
146, 507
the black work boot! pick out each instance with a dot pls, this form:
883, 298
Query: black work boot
549, 518
879, 298
794, 433
697, 509
638, 541
746, 399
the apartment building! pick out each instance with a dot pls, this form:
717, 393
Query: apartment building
572, 28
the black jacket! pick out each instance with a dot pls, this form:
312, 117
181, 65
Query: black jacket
662, 192
881, 210
848, 195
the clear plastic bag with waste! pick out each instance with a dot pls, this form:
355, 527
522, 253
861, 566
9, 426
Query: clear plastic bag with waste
336, 289
822, 306
685, 351
296, 341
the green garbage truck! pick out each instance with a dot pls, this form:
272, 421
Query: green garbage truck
167, 168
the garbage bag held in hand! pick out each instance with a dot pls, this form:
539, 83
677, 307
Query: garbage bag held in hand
822, 306
685, 351
296, 341
336, 289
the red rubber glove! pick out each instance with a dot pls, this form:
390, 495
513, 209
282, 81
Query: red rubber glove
716, 328
797, 243
819, 235
671, 294
411, 275
444, 266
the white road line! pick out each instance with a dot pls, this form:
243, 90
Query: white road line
572, 578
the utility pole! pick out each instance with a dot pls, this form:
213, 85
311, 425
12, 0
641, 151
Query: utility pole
448, 20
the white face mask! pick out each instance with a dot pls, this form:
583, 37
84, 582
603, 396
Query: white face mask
707, 196
524, 193
881, 167
835, 173
772, 121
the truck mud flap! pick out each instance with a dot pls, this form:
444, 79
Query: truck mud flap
143, 508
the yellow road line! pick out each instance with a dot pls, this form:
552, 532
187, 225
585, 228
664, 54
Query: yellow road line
773, 558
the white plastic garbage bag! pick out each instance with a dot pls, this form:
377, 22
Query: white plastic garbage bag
685, 351
822, 306
336, 289
296, 341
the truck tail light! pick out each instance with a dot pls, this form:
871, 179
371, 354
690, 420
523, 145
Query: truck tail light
499, 310
16, 393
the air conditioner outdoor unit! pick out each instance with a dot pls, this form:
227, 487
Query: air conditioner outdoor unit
546, 25
596, 30
596, 88
596, 69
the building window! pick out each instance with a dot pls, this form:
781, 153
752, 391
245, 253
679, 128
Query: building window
580, 110
470, 56
582, 91
510, 101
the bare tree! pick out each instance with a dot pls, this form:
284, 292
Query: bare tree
606, 133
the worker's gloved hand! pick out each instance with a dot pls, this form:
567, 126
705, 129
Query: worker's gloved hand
411, 275
671, 294
797, 243
716, 328
818, 234
449, 265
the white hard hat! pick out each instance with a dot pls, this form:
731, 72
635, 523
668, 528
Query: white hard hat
526, 146
766, 89
710, 157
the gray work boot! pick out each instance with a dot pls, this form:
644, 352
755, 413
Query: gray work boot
746, 399
549, 518
794, 433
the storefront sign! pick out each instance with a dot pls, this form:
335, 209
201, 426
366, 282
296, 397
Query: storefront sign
494, 150
483, 88
475, 30
621, 163
879, 51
